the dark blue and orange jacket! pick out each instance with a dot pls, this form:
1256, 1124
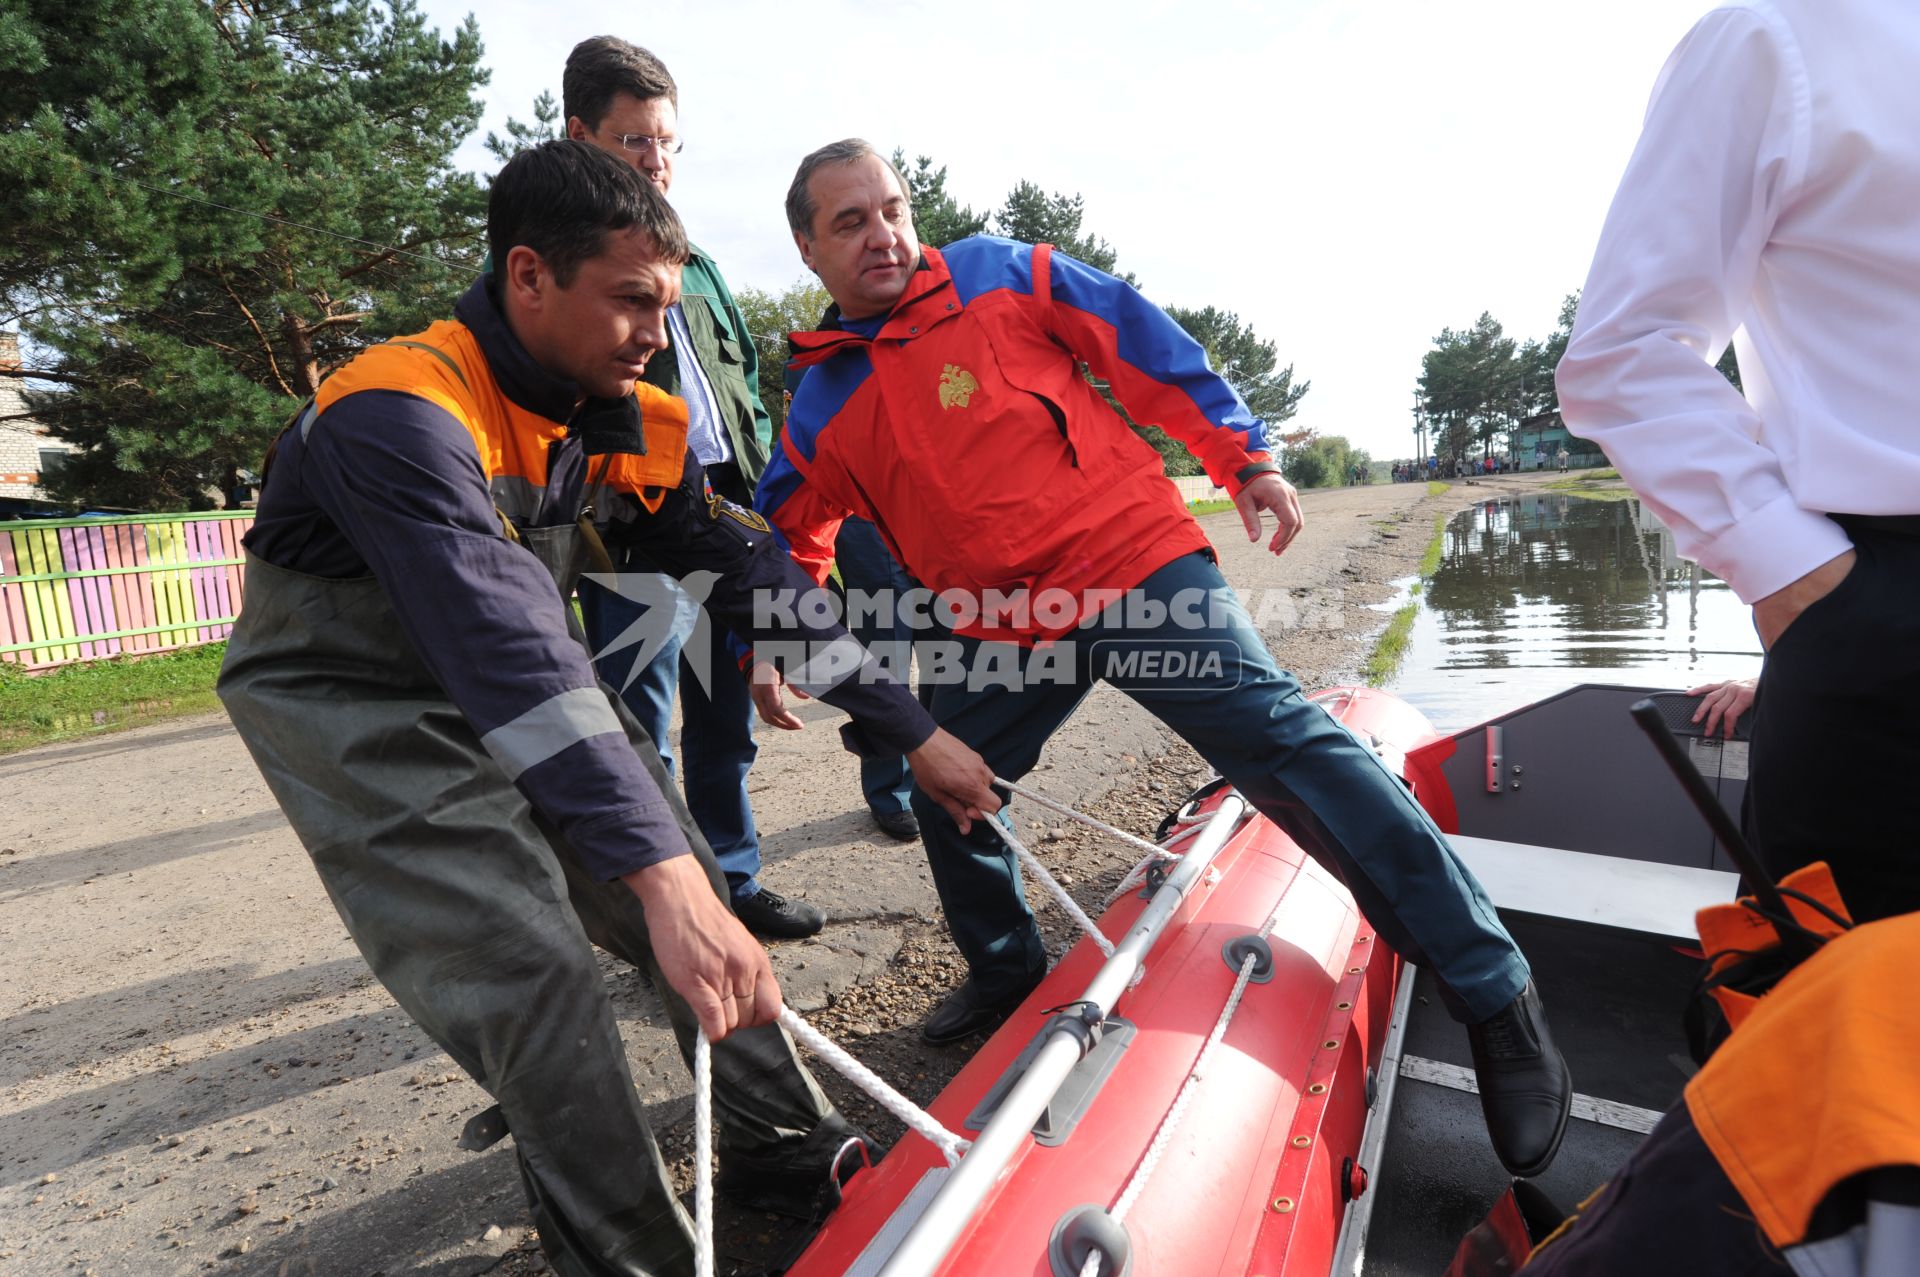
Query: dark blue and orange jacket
403, 470
965, 429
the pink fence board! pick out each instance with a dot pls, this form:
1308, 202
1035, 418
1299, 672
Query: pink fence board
84, 589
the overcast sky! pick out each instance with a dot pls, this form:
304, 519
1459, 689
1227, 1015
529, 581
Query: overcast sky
1349, 177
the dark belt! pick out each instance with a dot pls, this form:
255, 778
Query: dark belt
1903, 525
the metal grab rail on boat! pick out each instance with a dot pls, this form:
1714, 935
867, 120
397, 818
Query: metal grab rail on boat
927, 1243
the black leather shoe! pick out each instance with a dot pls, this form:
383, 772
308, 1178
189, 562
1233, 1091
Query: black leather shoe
772, 916
967, 1012
1525, 1089
801, 1180
903, 825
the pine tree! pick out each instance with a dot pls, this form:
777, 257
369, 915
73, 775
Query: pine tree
211, 204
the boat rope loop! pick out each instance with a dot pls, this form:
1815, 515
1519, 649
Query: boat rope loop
1185, 828
951, 1146
702, 1154
1164, 1136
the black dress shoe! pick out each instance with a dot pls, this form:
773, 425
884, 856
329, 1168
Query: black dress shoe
968, 1011
1525, 1089
772, 916
903, 825
801, 1180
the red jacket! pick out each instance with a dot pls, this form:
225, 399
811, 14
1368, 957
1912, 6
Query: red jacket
965, 430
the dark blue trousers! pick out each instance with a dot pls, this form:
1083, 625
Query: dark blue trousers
1203, 670
866, 568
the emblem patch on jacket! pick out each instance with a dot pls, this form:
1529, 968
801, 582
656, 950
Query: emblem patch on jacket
956, 387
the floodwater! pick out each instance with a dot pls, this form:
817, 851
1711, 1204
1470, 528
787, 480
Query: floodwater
1537, 593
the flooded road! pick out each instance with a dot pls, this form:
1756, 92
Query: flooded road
1539, 592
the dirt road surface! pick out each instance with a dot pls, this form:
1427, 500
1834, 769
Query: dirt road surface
197, 1072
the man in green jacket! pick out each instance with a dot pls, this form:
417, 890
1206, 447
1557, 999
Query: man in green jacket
647, 633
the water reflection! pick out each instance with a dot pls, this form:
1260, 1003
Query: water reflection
1537, 593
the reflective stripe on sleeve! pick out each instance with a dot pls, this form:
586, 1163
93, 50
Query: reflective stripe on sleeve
550, 727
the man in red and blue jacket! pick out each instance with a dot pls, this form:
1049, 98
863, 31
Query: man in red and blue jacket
944, 399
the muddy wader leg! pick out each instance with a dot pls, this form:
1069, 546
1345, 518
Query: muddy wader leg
762, 1096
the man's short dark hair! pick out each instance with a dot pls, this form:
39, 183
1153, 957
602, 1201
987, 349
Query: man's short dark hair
561, 198
800, 204
605, 65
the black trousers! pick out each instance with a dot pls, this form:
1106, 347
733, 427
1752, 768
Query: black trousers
1836, 733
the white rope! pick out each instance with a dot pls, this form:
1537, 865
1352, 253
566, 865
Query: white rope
1052, 884
702, 1154
1132, 840
1162, 1137
951, 1146
1186, 827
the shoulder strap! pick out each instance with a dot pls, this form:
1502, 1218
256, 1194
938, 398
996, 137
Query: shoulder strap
437, 353
1043, 274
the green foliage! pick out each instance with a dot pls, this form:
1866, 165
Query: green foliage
1476, 385
1246, 362
102, 695
545, 128
1034, 217
143, 146
938, 218
770, 317
1470, 387
1305, 468
1324, 461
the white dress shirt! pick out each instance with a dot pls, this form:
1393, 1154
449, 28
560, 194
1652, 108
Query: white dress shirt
1775, 190
706, 433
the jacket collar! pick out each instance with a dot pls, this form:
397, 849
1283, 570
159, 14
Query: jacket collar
929, 299
522, 380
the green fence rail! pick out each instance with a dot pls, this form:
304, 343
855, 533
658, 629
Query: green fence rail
82, 589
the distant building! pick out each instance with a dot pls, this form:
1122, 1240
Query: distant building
27, 452
1540, 437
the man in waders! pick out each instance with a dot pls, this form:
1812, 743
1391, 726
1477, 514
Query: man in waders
946, 403
477, 807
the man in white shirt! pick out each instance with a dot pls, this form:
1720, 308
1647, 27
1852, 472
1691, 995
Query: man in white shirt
1775, 191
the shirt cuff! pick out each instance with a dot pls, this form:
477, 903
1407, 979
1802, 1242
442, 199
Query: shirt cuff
1772, 547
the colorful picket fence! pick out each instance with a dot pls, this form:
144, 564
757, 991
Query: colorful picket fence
82, 589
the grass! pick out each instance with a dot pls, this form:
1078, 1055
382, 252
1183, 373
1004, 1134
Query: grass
1574, 479
1209, 507
98, 696
1390, 649
1435, 488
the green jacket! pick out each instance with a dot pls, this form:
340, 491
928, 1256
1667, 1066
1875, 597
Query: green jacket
725, 349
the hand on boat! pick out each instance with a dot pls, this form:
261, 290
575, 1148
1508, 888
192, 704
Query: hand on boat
1773, 614
707, 957
765, 686
955, 777
1723, 702
1271, 493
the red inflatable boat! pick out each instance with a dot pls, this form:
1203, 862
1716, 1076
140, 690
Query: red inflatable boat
1064, 1102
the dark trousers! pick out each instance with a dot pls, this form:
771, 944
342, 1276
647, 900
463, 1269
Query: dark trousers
1836, 734
1204, 671
866, 568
